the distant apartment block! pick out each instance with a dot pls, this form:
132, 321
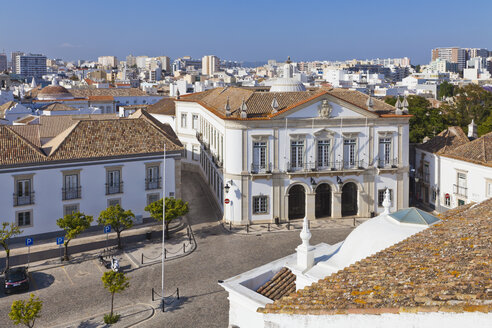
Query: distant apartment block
3, 62
108, 61
30, 65
210, 65
453, 55
13, 58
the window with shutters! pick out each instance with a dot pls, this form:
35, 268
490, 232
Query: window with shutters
323, 153
260, 204
296, 154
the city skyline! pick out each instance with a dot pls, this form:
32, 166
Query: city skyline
253, 31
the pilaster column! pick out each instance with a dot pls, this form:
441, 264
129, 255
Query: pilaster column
310, 205
336, 211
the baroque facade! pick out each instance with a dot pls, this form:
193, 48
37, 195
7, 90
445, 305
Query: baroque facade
274, 156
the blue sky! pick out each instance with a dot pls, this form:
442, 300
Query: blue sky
244, 30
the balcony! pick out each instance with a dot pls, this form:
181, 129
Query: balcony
392, 163
115, 188
151, 184
460, 191
329, 166
71, 193
24, 199
258, 168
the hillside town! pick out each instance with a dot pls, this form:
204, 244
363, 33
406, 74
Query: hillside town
201, 191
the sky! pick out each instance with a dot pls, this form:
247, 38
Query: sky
242, 30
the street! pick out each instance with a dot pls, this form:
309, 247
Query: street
75, 291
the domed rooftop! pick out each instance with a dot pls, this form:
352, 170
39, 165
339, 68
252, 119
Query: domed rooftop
53, 92
287, 85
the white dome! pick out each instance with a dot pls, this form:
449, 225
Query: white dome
287, 85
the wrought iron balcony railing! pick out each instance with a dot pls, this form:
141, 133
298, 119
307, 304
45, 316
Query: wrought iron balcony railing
24, 199
71, 193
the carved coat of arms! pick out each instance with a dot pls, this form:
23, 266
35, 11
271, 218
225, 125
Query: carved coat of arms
324, 109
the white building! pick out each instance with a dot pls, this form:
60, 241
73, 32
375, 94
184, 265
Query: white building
396, 270
86, 167
288, 154
107, 61
11, 111
451, 170
210, 65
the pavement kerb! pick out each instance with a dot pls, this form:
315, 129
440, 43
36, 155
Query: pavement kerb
120, 323
255, 229
93, 254
194, 247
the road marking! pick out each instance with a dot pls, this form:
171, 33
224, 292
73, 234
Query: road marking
99, 268
65, 270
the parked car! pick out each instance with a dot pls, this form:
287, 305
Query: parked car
16, 279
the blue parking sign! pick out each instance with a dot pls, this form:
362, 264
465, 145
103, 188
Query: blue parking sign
29, 241
60, 240
107, 229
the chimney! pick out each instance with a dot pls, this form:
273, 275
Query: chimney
305, 252
405, 105
472, 130
398, 110
387, 202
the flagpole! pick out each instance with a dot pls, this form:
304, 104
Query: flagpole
163, 221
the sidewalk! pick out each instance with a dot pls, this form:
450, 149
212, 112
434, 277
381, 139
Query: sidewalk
46, 254
130, 315
318, 224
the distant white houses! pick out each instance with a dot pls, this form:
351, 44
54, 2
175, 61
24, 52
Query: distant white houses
51, 166
453, 169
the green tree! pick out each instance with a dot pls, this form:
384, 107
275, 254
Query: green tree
114, 282
73, 224
426, 121
8, 231
471, 102
446, 89
117, 218
26, 312
486, 126
174, 209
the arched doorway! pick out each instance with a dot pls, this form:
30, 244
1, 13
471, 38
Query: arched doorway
323, 201
349, 199
297, 202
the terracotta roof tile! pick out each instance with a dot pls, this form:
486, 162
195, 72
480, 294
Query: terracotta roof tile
258, 103
447, 140
165, 106
446, 267
5, 107
112, 92
282, 283
16, 149
56, 107
478, 151
28, 132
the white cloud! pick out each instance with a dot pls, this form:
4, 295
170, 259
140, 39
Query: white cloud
69, 45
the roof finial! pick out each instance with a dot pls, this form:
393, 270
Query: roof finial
369, 103
387, 201
405, 104
244, 108
275, 105
305, 254
398, 110
227, 108
33, 83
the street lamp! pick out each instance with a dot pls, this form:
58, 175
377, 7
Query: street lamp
313, 182
226, 188
339, 181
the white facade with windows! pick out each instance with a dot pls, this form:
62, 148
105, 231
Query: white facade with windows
447, 178
299, 162
68, 173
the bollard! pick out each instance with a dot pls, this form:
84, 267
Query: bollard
152, 294
269, 227
354, 222
165, 253
230, 226
177, 292
247, 228
141, 262
288, 225
184, 249
309, 224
